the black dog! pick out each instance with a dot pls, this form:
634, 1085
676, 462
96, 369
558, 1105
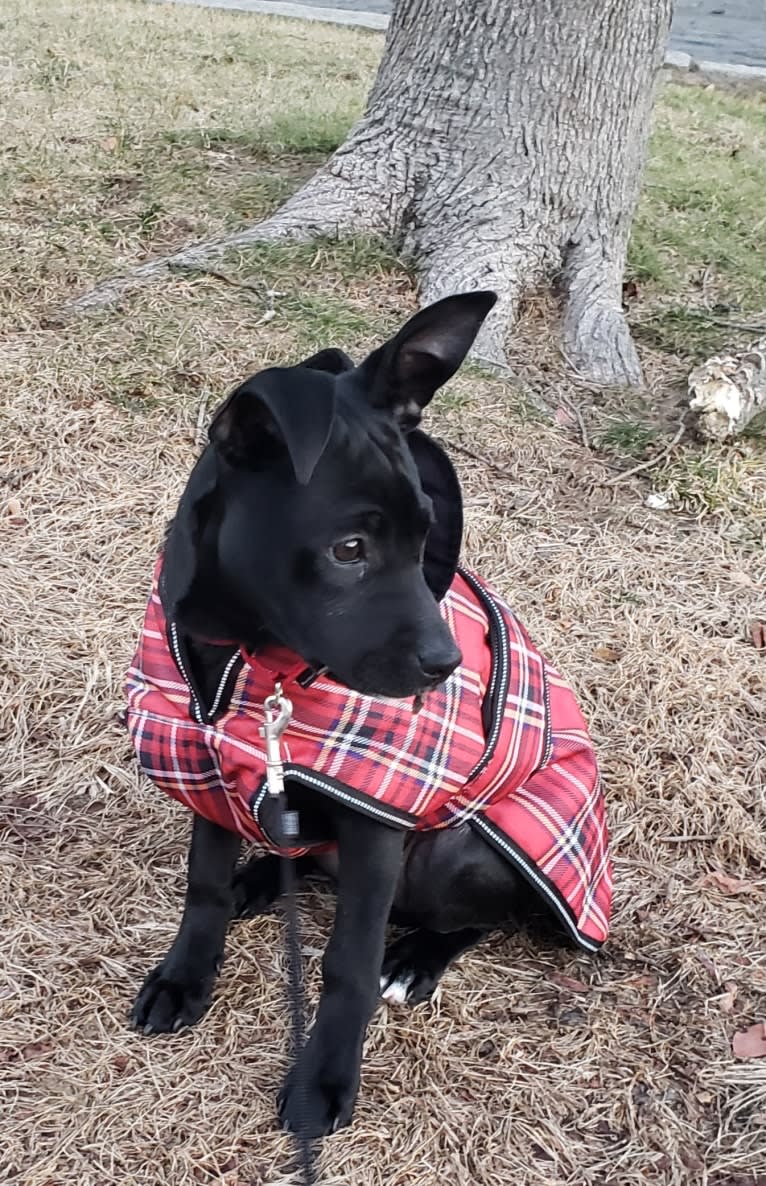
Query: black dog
314, 543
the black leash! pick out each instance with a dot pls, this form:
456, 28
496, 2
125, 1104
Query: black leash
296, 996
277, 712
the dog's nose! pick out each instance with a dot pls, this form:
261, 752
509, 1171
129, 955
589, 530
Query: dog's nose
439, 661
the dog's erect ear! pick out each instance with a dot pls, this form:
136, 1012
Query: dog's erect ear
331, 360
404, 373
278, 410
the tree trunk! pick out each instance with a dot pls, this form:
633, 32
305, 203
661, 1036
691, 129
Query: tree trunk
503, 145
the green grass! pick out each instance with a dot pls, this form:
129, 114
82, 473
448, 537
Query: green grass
166, 125
132, 129
723, 483
628, 436
700, 229
693, 333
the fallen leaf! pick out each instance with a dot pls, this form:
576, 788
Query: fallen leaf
13, 506
572, 1017
727, 885
606, 653
726, 1000
35, 1049
758, 635
657, 502
120, 1062
708, 965
646, 980
568, 982
109, 143
692, 1160
563, 417
750, 1043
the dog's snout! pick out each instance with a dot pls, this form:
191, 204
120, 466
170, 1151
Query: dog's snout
438, 661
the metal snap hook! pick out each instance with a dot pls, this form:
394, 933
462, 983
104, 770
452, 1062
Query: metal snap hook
278, 711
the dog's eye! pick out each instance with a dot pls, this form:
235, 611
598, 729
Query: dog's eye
348, 551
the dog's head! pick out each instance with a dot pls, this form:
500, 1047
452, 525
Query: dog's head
319, 516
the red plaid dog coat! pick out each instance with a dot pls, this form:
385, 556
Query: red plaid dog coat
500, 746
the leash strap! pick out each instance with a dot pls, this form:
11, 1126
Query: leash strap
277, 712
296, 998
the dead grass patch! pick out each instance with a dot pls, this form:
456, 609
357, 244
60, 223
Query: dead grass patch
509, 1075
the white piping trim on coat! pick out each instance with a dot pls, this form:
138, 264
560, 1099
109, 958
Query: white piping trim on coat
539, 883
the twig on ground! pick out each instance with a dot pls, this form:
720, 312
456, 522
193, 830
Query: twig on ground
741, 326
14, 478
574, 408
486, 461
256, 286
495, 468
652, 461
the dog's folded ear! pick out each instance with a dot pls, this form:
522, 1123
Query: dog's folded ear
332, 360
276, 411
181, 549
404, 373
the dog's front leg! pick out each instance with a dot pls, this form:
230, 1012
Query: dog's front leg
369, 856
178, 991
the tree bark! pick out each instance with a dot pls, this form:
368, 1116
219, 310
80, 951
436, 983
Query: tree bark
502, 146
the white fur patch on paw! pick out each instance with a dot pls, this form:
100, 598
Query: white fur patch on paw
395, 991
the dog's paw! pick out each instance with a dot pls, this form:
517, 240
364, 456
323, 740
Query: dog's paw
410, 974
169, 1002
317, 1099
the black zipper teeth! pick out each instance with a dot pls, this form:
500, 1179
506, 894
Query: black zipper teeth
176, 647
498, 683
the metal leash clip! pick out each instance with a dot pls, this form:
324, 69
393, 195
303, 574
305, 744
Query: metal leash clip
278, 710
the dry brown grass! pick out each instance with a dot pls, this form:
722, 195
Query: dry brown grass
508, 1076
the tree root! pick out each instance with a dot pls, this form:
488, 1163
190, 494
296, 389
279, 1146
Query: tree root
597, 340
326, 205
339, 200
456, 268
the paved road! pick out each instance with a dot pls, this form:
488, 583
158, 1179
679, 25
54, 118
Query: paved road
712, 30
721, 30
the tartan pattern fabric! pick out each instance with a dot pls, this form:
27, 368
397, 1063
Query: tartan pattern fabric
501, 745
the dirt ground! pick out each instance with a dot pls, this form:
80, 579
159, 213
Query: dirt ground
533, 1066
